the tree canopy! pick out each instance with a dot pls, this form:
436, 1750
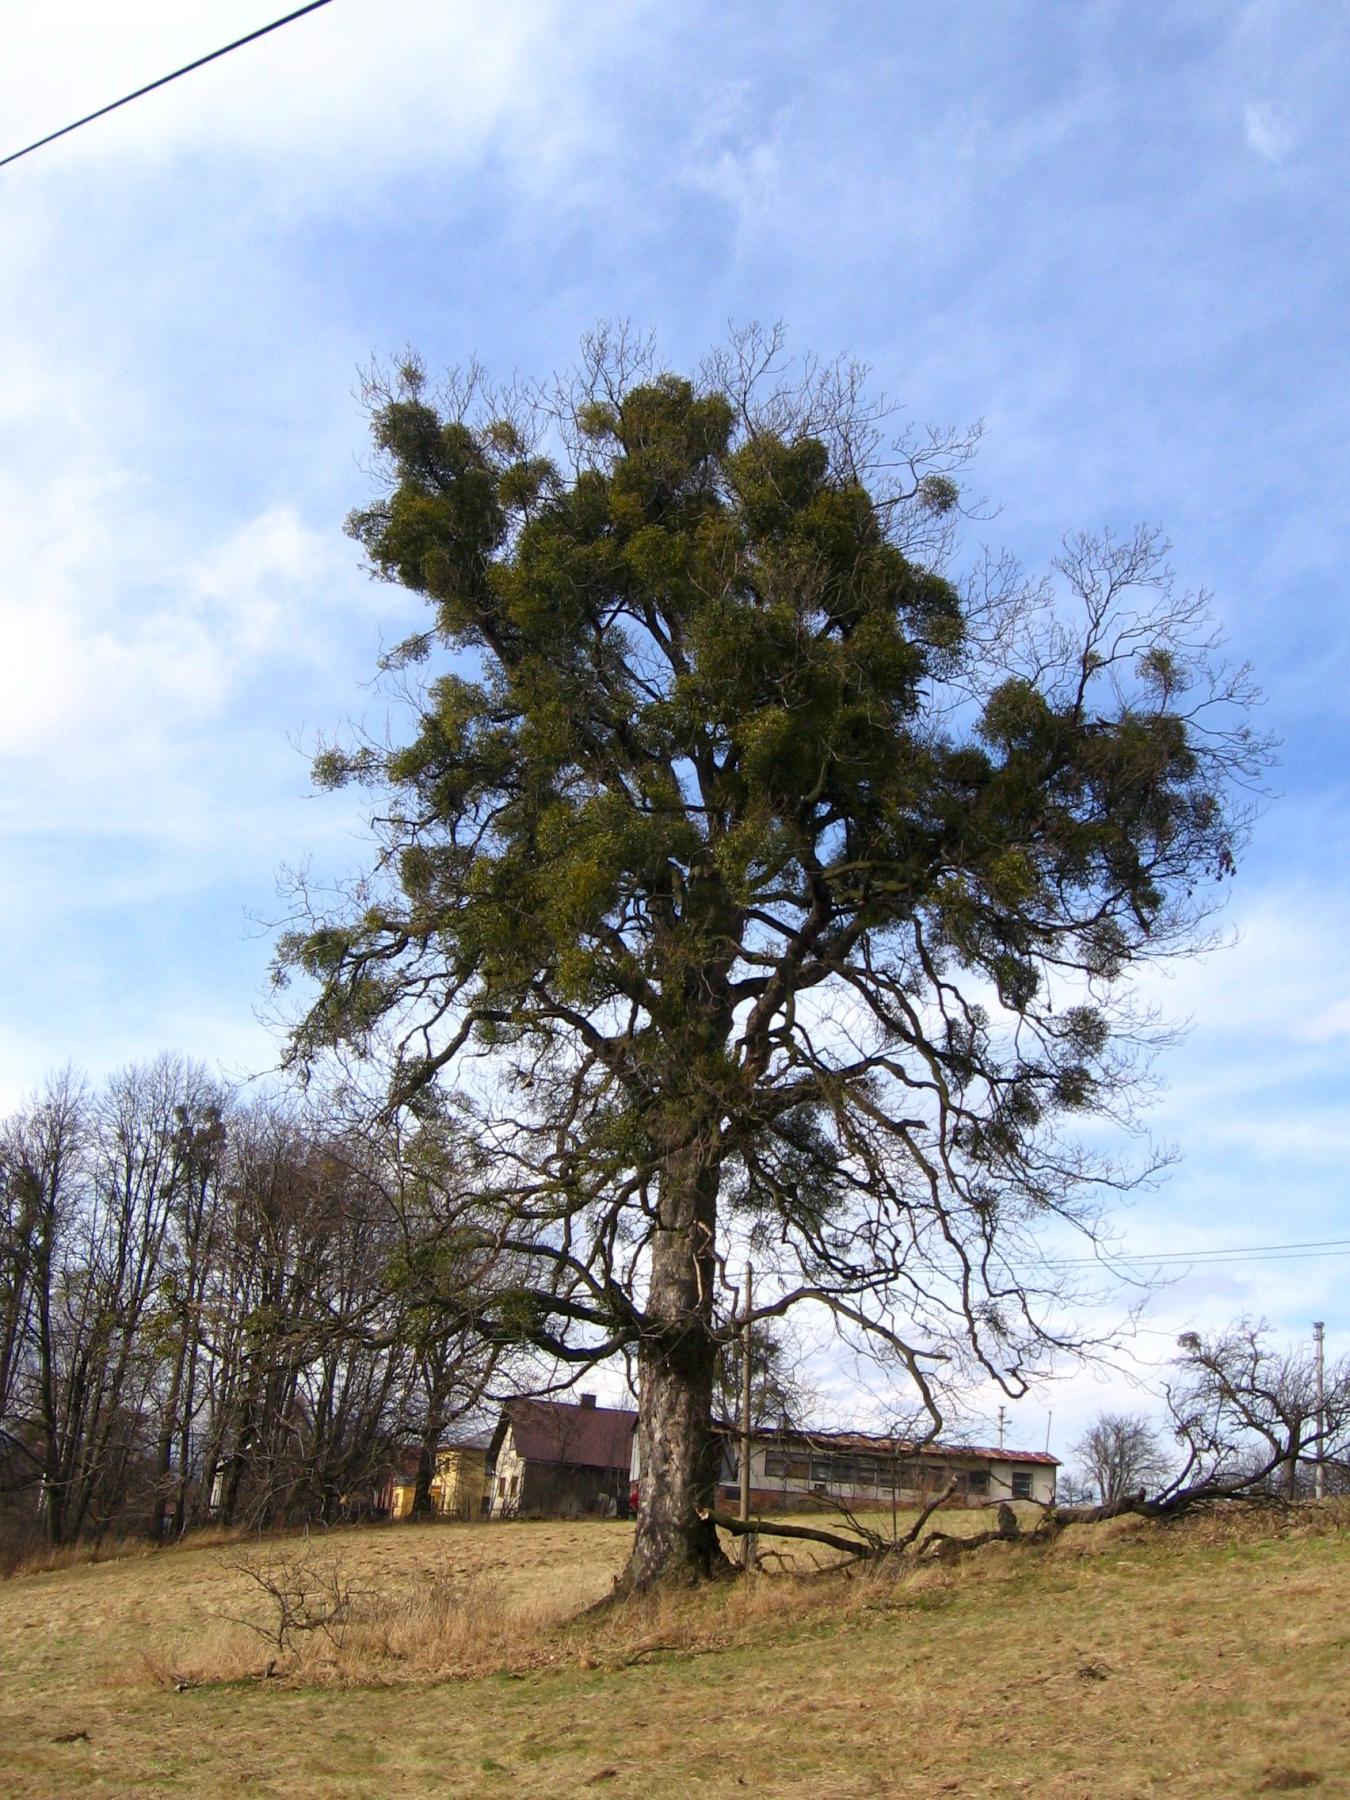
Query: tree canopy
748, 878
1121, 1454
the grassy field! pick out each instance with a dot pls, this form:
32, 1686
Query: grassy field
1125, 1661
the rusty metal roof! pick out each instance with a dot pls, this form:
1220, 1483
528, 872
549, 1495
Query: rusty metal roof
871, 1444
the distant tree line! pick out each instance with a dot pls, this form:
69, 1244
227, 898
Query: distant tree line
213, 1309
237, 1311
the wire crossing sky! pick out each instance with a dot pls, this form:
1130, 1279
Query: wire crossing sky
163, 81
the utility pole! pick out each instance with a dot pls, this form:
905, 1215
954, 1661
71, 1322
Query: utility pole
1002, 1414
1320, 1466
748, 1541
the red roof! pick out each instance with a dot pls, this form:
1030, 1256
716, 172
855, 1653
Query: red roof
889, 1446
555, 1431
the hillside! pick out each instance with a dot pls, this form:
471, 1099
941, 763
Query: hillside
1127, 1661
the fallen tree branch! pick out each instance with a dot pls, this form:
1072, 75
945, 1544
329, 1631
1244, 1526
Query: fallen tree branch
743, 1528
1007, 1531
1166, 1506
872, 1547
869, 1544
938, 1500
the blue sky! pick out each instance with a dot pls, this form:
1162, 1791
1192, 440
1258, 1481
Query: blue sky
1116, 234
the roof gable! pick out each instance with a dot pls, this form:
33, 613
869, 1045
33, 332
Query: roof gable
555, 1431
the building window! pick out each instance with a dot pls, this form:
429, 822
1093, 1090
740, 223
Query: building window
977, 1481
1021, 1484
776, 1465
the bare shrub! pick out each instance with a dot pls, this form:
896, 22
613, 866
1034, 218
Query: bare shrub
305, 1593
222, 1650
319, 1625
451, 1625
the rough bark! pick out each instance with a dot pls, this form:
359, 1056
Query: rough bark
676, 1539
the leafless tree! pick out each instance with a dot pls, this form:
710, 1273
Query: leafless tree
43, 1148
1122, 1453
1246, 1413
210, 1310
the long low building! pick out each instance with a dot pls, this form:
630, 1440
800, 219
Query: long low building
793, 1470
860, 1469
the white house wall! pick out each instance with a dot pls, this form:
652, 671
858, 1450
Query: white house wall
508, 1478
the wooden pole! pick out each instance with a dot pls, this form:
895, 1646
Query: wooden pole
748, 1544
1320, 1466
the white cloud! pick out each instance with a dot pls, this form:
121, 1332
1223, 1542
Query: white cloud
1333, 1021
735, 156
1287, 944
1267, 132
117, 640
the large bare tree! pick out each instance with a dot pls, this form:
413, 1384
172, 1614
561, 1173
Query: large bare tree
1257, 1418
745, 878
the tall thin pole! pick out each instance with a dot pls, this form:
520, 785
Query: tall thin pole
1001, 1418
747, 1542
1320, 1467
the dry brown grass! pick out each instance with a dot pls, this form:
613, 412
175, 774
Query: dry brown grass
438, 1623
1126, 1661
349, 1608
44, 1559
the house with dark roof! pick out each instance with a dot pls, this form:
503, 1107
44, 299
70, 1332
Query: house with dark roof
559, 1458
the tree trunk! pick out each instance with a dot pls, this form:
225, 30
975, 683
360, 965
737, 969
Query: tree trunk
426, 1471
676, 1539
168, 1426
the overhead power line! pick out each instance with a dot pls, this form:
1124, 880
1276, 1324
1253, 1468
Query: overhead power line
163, 81
1237, 1254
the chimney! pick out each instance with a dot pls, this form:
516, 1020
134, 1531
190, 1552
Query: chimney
587, 1399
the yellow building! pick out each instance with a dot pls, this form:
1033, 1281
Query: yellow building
457, 1485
